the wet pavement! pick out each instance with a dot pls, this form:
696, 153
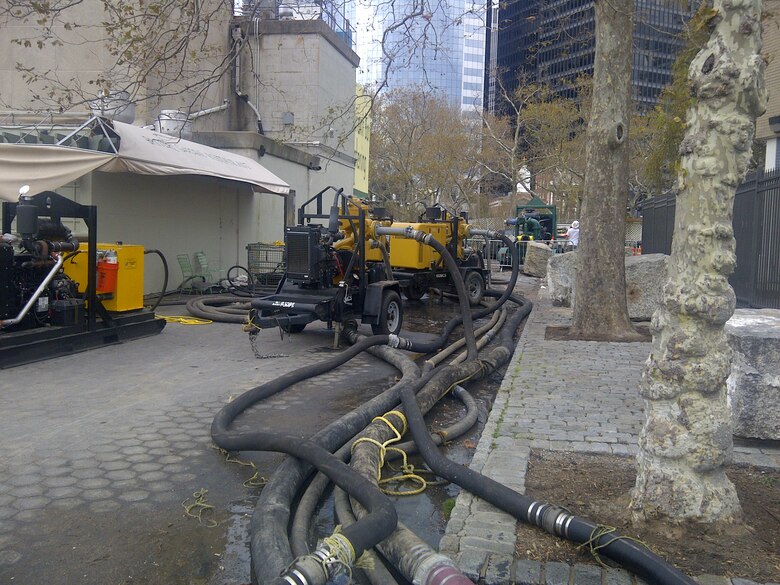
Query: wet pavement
104, 451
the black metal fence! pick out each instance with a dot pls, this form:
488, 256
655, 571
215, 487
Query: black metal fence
756, 223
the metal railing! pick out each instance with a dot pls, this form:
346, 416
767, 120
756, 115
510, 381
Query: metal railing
756, 223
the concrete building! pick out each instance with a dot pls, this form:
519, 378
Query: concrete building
768, 125
284, 98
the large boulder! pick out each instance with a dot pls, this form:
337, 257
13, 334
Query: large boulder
645, 276
536, 257
561, 271
754, 383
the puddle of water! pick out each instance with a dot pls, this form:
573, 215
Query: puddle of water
236, 560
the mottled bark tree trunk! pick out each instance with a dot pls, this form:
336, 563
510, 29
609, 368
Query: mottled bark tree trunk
600, 306
686, 440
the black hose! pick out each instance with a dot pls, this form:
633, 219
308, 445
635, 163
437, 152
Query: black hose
165, 278
376, 572
553, 519
213, 307
271, 551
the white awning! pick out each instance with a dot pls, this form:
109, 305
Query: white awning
45, 167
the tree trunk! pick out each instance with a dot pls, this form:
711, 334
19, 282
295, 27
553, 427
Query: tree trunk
686, 440
600, 306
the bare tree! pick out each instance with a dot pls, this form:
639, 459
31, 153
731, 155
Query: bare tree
539, 140
686, 440
600, 309
423, 152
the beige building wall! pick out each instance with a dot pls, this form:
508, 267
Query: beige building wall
184, 215
771, 50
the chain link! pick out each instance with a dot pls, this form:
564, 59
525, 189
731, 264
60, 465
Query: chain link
261, 356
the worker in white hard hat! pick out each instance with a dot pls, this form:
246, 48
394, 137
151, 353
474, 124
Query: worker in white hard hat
573, 235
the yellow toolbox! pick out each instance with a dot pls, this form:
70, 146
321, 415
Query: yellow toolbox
120, 275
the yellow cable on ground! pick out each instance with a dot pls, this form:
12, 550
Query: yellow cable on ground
183, 320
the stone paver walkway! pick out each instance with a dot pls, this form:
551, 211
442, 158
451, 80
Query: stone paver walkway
564, 396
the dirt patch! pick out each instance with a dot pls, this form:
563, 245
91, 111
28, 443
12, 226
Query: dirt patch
559, 333
597, 487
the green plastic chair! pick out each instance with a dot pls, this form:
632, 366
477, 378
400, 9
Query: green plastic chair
192, 282
203, 268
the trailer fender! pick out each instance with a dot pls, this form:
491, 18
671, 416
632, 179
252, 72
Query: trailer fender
373, 303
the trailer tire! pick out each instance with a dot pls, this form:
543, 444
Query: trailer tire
414, 292
390, 315
475, 287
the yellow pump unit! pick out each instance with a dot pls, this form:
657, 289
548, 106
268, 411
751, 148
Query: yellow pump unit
120, 275
413, 255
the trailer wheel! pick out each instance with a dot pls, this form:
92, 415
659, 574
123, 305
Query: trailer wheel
475, 287
414, 292
391, 314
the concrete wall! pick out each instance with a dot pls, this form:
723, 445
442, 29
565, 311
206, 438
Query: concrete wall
184, 215
82, 57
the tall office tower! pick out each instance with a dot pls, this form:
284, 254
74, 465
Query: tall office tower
441, 49
553, 41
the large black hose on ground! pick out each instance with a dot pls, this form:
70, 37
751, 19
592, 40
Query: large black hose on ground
553, 519
314, 492
165, 278
270, 546
222, 308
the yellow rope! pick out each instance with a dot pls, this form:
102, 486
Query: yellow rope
596, 534
183, 320
407, 471
256, 480
200, 506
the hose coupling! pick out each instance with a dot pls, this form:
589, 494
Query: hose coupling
398, 342
439, 570
552, 519
325, 565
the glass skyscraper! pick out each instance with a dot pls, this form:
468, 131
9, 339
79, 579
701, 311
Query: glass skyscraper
441, 48
553, 41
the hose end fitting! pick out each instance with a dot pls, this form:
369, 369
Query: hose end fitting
398, 342
440, 570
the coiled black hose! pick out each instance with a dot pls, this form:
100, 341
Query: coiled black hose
222, 308
381, 521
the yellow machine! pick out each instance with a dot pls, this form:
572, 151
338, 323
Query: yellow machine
354, 205
418, 266
120, 275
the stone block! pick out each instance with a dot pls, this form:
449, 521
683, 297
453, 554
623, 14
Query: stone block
561, 270
645, 276
536, 258
754, 382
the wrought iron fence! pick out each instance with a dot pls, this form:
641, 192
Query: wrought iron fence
756, 222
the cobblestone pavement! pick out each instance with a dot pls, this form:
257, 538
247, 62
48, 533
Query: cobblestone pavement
100, 449
546, 401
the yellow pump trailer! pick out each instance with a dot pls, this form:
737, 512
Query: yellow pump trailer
419, 267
